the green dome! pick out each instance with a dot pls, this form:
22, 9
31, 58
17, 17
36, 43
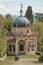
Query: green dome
21, 22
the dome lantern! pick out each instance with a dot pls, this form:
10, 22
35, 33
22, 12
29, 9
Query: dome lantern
21, 11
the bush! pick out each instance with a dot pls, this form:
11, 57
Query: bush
16, 58
38, 53
41, 58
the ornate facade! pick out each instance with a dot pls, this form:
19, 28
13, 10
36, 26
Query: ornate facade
21, 40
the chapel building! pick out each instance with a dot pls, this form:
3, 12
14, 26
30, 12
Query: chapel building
21, 40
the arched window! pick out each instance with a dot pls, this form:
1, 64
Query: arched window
10, 47
27, 31
28, 49
29, 45
32, 47
13, 48
28, 25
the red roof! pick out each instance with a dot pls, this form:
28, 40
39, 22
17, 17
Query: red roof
9, 33
31, 38
32, 33
30, 41
12, 40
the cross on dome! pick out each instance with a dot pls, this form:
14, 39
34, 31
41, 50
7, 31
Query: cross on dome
21, 11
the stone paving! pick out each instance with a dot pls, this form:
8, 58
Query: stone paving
27, 61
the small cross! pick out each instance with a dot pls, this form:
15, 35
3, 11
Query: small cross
21, 12
21, 6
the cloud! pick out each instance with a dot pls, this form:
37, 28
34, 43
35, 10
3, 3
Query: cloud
37, 9
4, 9
2, 6
14, 8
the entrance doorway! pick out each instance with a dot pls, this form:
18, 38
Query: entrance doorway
21, 44
21, 47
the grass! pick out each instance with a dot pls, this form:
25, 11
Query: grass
8, 61
23, 60
28, 56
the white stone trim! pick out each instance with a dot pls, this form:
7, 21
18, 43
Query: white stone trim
1, 59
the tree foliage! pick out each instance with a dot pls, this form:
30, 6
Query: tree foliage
9, 18
8, 21
2, 36
5, 24
29, 14
3, 46
38, 27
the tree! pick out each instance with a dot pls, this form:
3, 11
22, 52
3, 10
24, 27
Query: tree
3, 45
38, 27
9, 18
8, 22
5, 24
29, 14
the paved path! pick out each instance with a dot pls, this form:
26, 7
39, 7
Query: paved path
27, 61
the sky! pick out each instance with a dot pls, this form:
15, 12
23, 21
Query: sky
13, 6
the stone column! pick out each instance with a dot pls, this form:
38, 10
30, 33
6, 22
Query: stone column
12, 47
8, 48
16, 48
36, 46
26, 49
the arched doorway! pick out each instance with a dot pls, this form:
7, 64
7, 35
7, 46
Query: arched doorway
21, 46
